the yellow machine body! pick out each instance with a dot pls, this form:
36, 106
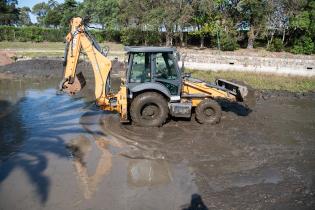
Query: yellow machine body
192, 91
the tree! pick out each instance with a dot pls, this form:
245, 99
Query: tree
40, 10
203, 10
159, 15
54, 14
255, 12
172, 17
277, 21
9, 13
24, 17
69, 10
104, 12
54, 17
185, 14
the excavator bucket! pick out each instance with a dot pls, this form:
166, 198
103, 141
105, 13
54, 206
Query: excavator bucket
243, 93
74, 86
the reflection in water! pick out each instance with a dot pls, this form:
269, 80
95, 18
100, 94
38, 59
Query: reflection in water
36, 125
80, 147
32, 127
11, 130
141, 172
148, 173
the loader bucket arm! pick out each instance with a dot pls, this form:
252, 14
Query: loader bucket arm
221, 89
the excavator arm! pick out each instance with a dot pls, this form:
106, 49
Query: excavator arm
79, 39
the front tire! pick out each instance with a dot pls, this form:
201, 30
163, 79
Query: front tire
208, 111
149, 110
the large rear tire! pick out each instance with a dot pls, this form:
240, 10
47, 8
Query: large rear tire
149, 109
209, 112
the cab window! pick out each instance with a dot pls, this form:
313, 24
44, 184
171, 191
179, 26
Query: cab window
165, 66
141, 68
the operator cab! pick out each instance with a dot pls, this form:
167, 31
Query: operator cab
153, 68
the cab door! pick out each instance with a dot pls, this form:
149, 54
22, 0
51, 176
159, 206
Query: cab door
166, 72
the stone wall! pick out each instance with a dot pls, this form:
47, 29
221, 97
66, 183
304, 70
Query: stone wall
278, 63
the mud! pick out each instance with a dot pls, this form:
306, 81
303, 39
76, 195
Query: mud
6, 58
260, 161
49, 68
62, 152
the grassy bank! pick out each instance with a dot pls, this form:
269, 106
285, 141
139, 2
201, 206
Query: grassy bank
261, 81
50, 49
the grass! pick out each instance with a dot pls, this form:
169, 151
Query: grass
32, 45
51, 49
51, 45
39, 54
261, 81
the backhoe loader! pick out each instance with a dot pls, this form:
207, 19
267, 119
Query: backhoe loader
153, 87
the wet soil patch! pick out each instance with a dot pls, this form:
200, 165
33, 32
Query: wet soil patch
49, 68
259, 160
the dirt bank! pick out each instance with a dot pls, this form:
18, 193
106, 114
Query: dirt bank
6, 58
48, 68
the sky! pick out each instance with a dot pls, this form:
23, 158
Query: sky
31, 3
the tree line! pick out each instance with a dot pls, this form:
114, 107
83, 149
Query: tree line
225, 24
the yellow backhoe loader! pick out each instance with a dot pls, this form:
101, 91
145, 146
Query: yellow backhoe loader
153, 88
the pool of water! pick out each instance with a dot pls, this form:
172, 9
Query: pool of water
55, 154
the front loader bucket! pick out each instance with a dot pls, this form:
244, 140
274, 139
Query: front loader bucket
239, 91
243, 93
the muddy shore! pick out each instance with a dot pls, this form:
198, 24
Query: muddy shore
48, 68
263, 158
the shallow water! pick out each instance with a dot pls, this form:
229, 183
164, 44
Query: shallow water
62, 152
55, 154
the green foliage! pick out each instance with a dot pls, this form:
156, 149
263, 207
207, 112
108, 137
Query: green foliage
301, 21
276, 45
40, 10
138, 22
228, 42
24, 17
98, 35
9, 13
112, 35
255, 12
152, 37
54, 16
104, 12
132, 36
30, 33
304, 45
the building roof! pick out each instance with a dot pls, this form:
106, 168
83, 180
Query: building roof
148, 49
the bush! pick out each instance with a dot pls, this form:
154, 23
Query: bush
304, 45
98, 35
7, 33
112, 35
132, 36
228, 42
152, 37
276, 45
30, 33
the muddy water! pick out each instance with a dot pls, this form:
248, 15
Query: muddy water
62, 152
55, 154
